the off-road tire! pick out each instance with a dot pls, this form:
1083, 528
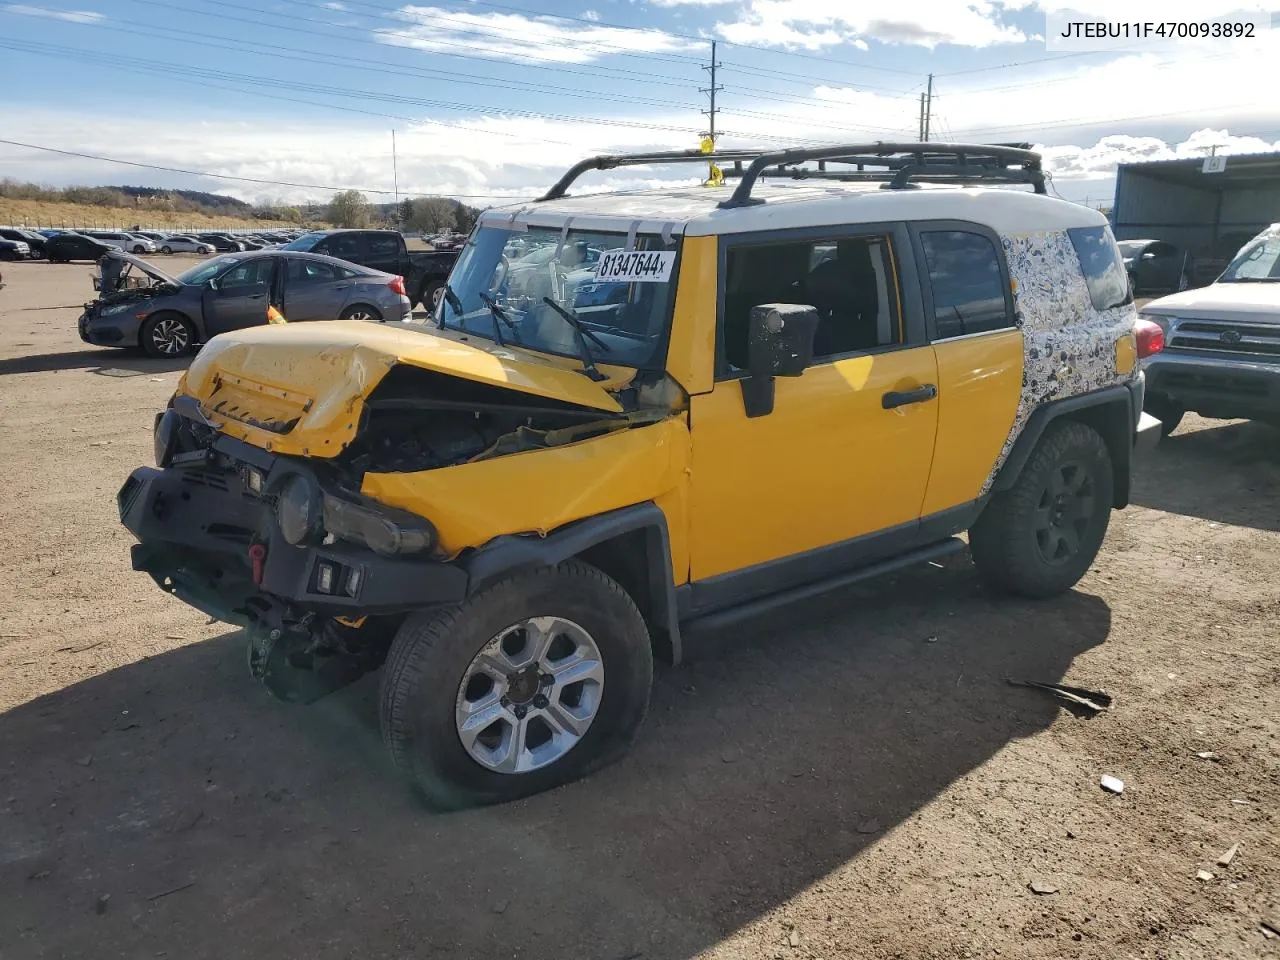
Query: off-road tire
1004, 542
433, 649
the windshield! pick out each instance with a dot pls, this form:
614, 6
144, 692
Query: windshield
1258, 262
1130, 248
304, 242
622, 298
205, 271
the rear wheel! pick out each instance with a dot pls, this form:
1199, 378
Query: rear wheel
1038, 538
166, 250
530, 684
167, 335
432, 295
360, 311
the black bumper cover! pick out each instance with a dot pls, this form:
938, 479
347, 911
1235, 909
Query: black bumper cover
195, 529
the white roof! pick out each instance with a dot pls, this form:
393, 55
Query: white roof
695, 211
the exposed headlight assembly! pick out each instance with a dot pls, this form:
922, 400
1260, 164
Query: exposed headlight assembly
389, 533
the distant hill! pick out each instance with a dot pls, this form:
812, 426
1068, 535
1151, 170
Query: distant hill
215, 202
136, 204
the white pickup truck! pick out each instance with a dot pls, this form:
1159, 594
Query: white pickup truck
1222, 342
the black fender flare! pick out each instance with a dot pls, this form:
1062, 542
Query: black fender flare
510, 554
1113, 411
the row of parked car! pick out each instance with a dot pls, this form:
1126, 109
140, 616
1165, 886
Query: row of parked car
63, 246
1157, 266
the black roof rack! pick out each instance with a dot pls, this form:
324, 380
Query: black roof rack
897, 165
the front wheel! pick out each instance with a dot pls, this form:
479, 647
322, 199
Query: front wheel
166, 250
1038, 538
167, 335
529, 684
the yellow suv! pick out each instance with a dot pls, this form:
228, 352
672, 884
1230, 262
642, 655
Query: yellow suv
637, 415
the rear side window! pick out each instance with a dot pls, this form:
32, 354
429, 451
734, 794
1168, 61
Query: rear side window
382, 245
1103, 266
968, 287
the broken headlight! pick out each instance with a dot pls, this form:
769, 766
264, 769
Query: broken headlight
384, 532
298, 509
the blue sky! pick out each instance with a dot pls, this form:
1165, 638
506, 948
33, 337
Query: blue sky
491, 100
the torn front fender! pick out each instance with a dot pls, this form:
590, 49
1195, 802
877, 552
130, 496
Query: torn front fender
541, 490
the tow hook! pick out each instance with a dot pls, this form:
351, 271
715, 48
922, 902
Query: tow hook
258, 557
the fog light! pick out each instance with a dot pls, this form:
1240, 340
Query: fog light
253, 480
352, 587
324, 578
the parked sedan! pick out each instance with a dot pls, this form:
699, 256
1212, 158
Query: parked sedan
1153, 265
170, 315
185, 245
125, 241
221, 242
66, 247
14, 250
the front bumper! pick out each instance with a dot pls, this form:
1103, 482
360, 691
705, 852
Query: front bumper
197, 521
1216, 384
105, 333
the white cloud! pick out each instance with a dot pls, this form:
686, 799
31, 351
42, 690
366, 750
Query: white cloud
590, 15
70, 16
524, 39
334, 5
814, 24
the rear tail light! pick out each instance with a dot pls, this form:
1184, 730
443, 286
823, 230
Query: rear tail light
1150, 338
397, 286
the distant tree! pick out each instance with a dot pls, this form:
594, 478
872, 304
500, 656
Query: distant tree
465, 218
406, 210
430, 214
349, 209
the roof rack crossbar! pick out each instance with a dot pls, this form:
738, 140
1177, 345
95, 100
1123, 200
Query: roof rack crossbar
899, 163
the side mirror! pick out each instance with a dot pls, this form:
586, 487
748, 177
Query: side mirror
779, 344
212, 284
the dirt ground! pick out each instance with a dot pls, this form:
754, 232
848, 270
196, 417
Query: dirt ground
853, 780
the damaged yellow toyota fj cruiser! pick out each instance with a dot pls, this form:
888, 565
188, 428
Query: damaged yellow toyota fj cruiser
637, 415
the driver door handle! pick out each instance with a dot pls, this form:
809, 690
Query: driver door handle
900, 398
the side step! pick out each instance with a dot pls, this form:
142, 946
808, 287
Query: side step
722, 619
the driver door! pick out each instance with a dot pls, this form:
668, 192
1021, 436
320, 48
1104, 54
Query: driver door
239, 297
839, 467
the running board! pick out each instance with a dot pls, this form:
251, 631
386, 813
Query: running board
755, 608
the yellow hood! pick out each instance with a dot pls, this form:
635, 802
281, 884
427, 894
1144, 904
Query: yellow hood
300, 388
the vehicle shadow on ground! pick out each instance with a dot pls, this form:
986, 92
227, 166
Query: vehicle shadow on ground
1243, 458
220, 823
110, 362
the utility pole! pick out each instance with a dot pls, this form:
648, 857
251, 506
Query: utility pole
928, 109
920, 128
711, 91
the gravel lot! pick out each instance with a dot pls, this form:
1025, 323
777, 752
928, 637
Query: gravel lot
854, 780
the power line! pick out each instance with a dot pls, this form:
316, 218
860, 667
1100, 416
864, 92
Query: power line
490, 32
597, 71
807, 79
225, 176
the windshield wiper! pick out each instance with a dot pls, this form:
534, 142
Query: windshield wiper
498, 314
452, 300
580, 335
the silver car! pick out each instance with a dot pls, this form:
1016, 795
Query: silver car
167, 316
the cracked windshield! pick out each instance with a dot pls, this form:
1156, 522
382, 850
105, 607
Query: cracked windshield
578, 293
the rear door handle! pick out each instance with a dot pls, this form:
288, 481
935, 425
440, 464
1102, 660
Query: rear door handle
900, 398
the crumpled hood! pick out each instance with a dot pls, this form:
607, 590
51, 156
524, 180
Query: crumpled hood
300, 388
1259, 302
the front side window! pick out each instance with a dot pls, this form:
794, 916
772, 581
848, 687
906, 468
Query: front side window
532, 287
1258, 262
205, 271
849, 281
967, 284
249, 273
1102, 265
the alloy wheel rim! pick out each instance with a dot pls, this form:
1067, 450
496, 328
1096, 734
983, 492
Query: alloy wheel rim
530, 695
360, 315
170, 336
1064, 512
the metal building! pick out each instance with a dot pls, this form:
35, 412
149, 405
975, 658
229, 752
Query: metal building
1201, 204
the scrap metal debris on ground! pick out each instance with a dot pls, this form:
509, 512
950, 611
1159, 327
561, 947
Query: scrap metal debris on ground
1085, 702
